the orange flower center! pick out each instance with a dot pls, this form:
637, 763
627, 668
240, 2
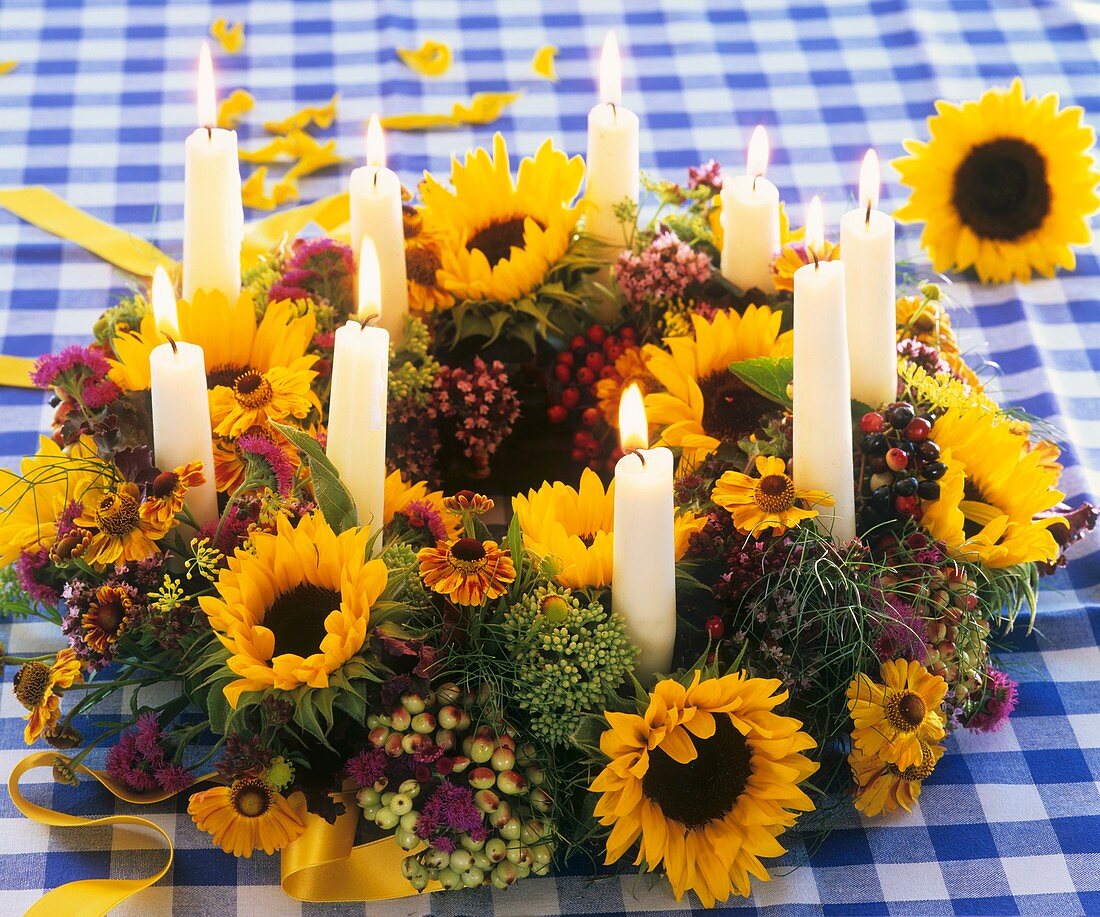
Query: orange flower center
250, 797
117, 514
252, 390
774, 493
905, 711
164, 484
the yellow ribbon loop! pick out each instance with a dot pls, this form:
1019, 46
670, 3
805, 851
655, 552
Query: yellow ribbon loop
331, 214
324, 864
86, 897
15, 372
44, 209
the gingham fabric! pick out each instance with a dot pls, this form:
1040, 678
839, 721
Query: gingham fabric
98, 110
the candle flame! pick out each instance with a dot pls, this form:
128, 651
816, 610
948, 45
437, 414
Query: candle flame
815, 227
633, 426
376, 144
204, 90
163, 297
611, 71
869, 180
370, 282
756, 161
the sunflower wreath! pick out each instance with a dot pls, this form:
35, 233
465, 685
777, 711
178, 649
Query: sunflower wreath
462, 690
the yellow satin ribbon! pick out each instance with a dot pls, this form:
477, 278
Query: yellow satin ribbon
15, 372
323, 865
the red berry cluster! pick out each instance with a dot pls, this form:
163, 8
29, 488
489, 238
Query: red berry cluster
904, 464
591, 356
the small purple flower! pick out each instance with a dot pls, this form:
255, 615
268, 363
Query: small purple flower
273, 459
422, 515
482, 404
319, 269
1001, 695
923, 355
451, 810
903, 632
709, 175
72, 360
28, 568
663, 270
98, 393
173, 778
148, 735
367, 767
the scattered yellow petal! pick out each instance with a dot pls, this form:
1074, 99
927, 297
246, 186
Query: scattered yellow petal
7, 66
253, 193
294, 145
285, 190
321, 115
234, 107
483, 108
542, 64
433, 58
230, 37
320, 158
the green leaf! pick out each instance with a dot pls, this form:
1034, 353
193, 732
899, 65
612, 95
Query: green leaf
333, 498
515, 546
767, 376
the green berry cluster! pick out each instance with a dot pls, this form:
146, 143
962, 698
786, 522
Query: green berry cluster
125, 316
404, 573
412, 367
569, 657
258, 279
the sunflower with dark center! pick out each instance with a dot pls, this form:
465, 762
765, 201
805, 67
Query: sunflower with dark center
703, 781
168, 490
1005, 185
120, 532
295, 608
703, 404
107, 617
770, 501
883, 788
891, 721
245, 816
498, 237
422, 264
467, 571
39, 687
281, 393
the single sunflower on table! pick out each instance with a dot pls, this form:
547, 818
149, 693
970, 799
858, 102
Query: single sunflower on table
1004, 185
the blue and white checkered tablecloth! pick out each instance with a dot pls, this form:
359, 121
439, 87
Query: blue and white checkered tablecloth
99, 107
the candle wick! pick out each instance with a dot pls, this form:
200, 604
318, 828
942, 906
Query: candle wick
868, 219
639, 453
369, 319
172, 341
614, 111
754, 180
377, 169
209, 132
813, 254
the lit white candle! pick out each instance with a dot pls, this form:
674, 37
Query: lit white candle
750, 221
375, 193
822, 386
181, 406
213, 214
643, 580
867, 249
163, 297
357, 400
612, 163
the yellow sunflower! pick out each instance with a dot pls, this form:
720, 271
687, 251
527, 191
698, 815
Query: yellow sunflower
927, 321
795, 255
994, 487
498, 238
50, 482
39, 687
232, 341
295, 608
576, 527
467, 571
704, 404
704, 782
168, 491
891, 720
422, 264
629, 368
248, 815
255, 398
769, 501
1005, 185
120, 531
882, 788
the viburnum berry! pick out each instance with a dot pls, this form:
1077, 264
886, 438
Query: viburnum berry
613, 352
608, 371
557, 414
582, 438
578, 342
577, 455
908, 506
563, 373
585, 376
896, 459
590, 417
611, 341
628, 334
566, 358
715, 627
918, 430
594, 361
872, 422
596, 334
899, 414
570, 397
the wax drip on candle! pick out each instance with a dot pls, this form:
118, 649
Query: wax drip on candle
633, 425
815, 229
756, 159
205, 98
869, 181
611, 74
370, 283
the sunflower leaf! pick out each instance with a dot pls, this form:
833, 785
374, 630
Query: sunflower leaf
333, 499
767, 376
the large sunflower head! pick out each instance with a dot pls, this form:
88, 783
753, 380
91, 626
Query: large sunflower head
704, 781
498, 238
994, 487
703, 404
1005, 185
247, 815
296, 607
770, 501
575, 526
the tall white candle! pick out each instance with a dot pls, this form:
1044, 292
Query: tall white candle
357, 401
375, 193
822, 386
181, 407
612, 163
750, 221
643, 579
213, 213
867, 249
